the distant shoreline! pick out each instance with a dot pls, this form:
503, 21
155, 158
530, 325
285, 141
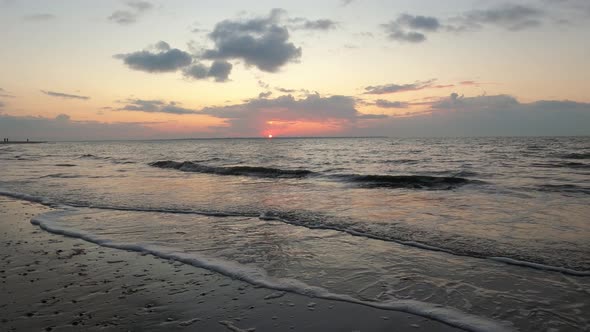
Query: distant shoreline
23, 142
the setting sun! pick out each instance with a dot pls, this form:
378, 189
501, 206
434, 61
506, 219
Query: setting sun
269, 135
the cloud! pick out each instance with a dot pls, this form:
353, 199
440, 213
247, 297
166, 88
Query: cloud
131, 15
499, 115
163, 59
391, 104
64, 95
63, 127
39, 17
396, 88
2, 104
260, 42
263, 84
266, 94
285, 90
423, 23
569, 11
318, 25
219, 70
410, 28
470, 83
155, 106
345, 3
512, 17
574, 5
140, 6
5, 94
251, 117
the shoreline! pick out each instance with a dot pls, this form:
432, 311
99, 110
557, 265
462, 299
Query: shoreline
22, 142
57, 283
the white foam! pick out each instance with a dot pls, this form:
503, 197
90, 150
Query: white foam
505, 260
267, 216
255, 276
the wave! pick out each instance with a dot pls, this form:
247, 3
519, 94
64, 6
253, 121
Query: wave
566, 164
565, 188
266, 172
406, 181
312, 222
78, 176
583, 155
113, 160
367, 181
259, 277
355, 231
91, 156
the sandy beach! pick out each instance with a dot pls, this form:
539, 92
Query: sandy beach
54, 283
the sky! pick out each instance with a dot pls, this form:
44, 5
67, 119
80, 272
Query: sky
139, 69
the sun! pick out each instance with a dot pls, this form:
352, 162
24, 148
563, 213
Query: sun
269, 135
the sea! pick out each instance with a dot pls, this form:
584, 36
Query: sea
486, 234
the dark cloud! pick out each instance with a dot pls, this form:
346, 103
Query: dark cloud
155, 106
63, 127
320, 25
391, 104
266, 94
160, 58
64, 95
39, 17
2, 104
395, 88
423, 23
219, 70
345, 3
512, 17
410, 28
260, 42
163, 59
131, 15
123, 17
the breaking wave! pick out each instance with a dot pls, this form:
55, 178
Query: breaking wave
265, 172
366, 181
406, 181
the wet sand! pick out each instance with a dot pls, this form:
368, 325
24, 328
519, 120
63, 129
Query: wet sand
54, 283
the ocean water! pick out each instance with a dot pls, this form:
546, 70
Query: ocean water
482, 233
